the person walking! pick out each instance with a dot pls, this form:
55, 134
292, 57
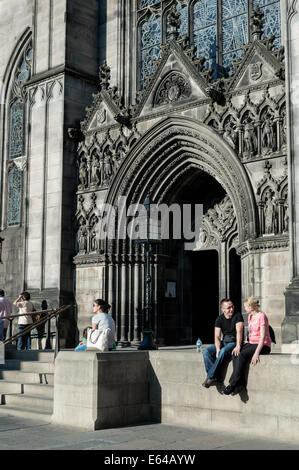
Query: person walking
25, 306
259, 342
5, 311
229, 329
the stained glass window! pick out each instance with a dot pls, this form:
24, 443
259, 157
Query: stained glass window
218, 29
234, 29
272, 18
150, 46
14, 197
16, 138
16, 126
205, 29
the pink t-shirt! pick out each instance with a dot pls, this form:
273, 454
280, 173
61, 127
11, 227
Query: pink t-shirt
254, 328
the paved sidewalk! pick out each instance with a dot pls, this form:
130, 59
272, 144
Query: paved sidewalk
23, 434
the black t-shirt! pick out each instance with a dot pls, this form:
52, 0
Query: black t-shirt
228, 325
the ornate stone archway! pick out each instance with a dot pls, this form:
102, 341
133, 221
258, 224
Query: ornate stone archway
168, 151
160, 160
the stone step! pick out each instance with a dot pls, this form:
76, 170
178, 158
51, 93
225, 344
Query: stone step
7, 386
27, 377
34, 414
27, 401
28, 366
32, 355
39, 390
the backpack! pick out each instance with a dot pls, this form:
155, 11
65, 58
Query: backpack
272, 334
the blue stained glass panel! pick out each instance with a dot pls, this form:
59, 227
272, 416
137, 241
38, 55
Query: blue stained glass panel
147, 3
231, 8
150, 46
235, 33
205, 13
272, 18
16, 129
151, 32
205, 30
14, 197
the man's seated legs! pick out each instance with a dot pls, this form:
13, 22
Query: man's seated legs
212, 363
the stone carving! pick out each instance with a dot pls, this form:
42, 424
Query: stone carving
273, 203
82, 239
257, 23
250, 138
231, 133
175, 87
268, 136
174, 22
105, 76
83, 174
256, 71
270, 213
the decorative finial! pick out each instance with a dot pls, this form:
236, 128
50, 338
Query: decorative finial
257, 23
105, 76
174, 23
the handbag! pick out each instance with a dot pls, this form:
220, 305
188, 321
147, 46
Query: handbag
98, 340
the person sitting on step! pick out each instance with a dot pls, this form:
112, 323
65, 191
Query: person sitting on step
230, 326
259, 342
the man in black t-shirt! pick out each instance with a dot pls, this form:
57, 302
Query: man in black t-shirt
229, 331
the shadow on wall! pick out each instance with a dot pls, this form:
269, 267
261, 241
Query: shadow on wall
155, 396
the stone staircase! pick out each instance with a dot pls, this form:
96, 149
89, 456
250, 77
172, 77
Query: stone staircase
27, 384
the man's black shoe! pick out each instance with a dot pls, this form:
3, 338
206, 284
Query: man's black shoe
227, 390
209, 382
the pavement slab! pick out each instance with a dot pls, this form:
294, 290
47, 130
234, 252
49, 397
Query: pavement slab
25, 434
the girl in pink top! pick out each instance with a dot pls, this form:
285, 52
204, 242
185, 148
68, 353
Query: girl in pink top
259, 343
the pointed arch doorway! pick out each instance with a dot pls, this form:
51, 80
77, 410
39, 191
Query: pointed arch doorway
178, 160
208, 273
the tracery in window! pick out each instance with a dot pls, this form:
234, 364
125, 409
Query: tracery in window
218, 29
15, 176
16, 139
234, 29
272, 18
150, 45
205, 29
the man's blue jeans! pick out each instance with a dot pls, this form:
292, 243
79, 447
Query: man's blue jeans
24, 342
213, 364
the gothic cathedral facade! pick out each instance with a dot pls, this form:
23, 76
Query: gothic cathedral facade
192, 101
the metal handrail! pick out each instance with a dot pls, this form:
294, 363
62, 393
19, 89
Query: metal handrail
54, 313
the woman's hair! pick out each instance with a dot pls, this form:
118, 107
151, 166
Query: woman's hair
26, 295
103, 304
253, 303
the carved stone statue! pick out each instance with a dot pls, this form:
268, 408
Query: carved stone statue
108, 169
83, 175
270, 213
268, 140
286, 220
82, 239
96, 176
93, 241
230, 134
284, 130
250, 139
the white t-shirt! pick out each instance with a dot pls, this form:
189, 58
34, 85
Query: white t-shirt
104, 321
25, 307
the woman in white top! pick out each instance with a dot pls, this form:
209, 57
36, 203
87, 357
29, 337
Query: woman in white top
102, 320
25, 306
